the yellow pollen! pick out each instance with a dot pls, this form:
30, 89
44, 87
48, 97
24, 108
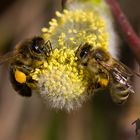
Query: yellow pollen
20, 77
61, 80
104, 82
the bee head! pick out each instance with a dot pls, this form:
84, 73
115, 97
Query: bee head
100, 55
35, 48
39, 48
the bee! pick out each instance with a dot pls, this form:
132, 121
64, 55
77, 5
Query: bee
26, 56
106, 72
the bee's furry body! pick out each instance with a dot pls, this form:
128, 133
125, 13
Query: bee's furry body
105, 68
27, 56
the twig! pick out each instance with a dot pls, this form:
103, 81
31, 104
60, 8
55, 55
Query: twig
63, 3
127, 29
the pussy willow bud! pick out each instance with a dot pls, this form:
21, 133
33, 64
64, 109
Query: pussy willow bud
61, 82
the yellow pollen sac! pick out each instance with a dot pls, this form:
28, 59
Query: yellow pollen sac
104, 82
20, 77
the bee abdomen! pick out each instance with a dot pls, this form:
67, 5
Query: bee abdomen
119, 93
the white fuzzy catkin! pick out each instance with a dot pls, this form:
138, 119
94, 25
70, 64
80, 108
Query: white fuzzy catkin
61, 82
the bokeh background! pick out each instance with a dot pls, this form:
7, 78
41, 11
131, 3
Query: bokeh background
29, 119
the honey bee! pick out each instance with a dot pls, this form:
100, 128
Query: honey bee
107, 72
24, 59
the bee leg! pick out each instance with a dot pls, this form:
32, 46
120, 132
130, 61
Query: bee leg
21, 88
91, 88
19, 76
95, 88
27, 70
24, 69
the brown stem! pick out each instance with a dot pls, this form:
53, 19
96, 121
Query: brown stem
63, 3
125, 26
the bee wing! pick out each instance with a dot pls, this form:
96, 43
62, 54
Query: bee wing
119, 74
122, 74
120, 86
123, 68
122, 80
120, 68
7, 57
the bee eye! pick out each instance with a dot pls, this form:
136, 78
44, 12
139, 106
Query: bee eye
36, 49
84, 51
37, 44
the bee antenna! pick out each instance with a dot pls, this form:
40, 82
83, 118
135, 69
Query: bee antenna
49, 45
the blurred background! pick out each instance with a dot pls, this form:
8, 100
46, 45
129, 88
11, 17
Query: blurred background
23, 119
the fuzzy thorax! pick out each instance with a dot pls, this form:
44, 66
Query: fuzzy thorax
61, 81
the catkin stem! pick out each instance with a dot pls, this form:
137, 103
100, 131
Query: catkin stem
63, 3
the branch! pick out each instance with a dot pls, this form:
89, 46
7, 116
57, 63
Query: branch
63, 3
127, 29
